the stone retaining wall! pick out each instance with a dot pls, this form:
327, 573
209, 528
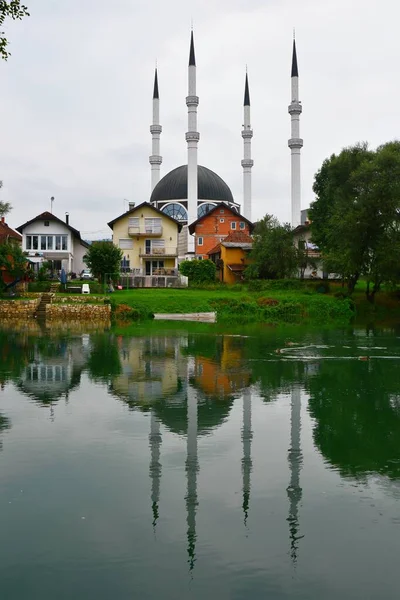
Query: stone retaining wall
96, 312
11, 309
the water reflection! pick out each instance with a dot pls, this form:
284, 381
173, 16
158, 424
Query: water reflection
187, 385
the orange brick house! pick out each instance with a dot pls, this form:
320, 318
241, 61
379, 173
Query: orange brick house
231, 256
214, 226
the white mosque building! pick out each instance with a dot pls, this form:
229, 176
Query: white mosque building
190, 191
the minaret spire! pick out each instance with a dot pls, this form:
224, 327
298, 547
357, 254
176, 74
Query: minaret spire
155, 465
155, 159
247, 436
295, 143
192, 139
295, 460
247, 162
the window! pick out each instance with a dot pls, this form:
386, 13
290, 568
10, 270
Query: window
153, 225
58, 242
35, 242
204, 209
134, 222
242, 225
46, 242
49, 242
125, 244
64, 242
222, 220
233, 225
176, 211
222, 211
43, 242
46, 223
200, 241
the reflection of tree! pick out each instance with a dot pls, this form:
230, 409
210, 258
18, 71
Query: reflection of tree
357, 417
16, 350
104, 361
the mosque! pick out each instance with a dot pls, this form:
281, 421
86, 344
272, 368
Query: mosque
190, 191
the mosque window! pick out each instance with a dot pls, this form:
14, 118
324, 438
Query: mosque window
176, 211
204, 209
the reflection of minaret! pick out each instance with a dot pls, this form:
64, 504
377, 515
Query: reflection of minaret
155, 465
295, 459
247, 436
192, 468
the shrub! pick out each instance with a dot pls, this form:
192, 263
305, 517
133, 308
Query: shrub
267, 302
198, 271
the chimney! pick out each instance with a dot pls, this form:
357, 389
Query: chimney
131, 205
67, 218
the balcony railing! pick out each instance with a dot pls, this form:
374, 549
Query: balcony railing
127, 272
163, 252
145, 231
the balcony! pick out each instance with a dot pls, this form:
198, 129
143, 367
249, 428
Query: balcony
167, 252
145, 231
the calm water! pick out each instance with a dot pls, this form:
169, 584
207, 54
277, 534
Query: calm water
191, 464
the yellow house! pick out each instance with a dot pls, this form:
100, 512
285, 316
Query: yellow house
149, 240
231, 256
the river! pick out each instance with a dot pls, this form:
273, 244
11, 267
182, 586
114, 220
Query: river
185, 462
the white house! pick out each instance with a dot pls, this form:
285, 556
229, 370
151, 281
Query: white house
48, 238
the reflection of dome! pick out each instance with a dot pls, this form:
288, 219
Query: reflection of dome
173, 186
211, 414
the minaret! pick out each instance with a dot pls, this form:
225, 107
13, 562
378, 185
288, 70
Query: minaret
192, 467
155, 465
155, 159
295, 143
295, 460
247, 162
247, 436
192, 138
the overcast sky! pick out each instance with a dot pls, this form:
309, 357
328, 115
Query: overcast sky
76, 95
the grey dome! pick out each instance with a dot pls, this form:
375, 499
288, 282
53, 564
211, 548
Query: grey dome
173, 186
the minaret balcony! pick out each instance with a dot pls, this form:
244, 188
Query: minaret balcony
192, 136
247, 133
192, 100
295, 108
295, 143
155, 159
247, 162
155, 129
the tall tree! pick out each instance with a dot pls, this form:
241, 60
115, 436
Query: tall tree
11, 9
355, 219
5, 207
274, 255
104, 259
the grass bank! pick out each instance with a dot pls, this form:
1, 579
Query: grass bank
233, 306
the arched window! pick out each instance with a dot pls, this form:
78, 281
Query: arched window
176, 211
204, 209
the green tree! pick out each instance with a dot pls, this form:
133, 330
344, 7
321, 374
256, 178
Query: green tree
103, 258
5, 207
11, 9
274, 255
198, 271
355, 219
12, 261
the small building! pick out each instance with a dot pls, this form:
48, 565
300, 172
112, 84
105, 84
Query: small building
231, 256
8, 235
215, 225
48, 238
312, 267
148, 238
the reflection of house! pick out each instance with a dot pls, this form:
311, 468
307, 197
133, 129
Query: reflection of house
55, 369
214, 225
48, 238
148, 238
224, 378
232, 256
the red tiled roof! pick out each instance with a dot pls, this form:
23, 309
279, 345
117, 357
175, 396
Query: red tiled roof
215, 250
7, 232
238, 237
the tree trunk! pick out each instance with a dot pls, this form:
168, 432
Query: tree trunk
352, 282
371, 294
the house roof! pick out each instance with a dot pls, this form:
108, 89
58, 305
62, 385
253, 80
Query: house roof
6, 232
223, 205
236, 239
148, 205
48, 216
237, 268
301, 229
